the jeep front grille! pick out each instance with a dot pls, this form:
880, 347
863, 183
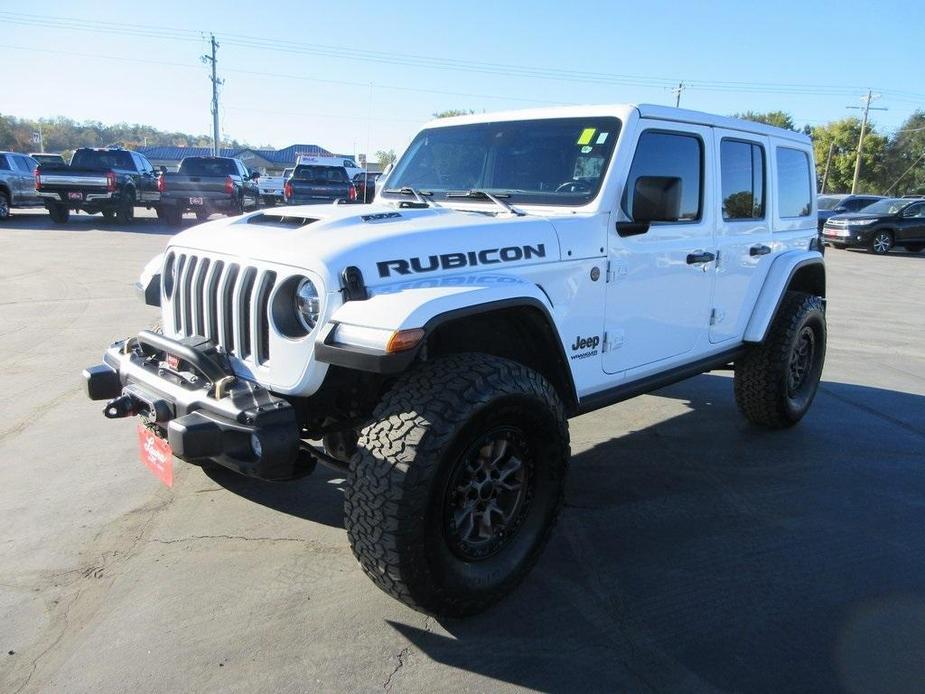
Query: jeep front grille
226, 302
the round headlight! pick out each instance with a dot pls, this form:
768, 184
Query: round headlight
307, 304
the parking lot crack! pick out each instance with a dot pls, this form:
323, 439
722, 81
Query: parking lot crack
401, 655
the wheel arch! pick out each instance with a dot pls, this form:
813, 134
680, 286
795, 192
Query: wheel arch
802, 271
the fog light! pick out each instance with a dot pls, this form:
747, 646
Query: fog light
256, 445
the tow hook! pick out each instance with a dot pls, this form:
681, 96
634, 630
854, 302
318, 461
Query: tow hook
135, 401
122, 406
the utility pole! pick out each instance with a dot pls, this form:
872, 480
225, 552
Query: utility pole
677, 92
828, 162
216, 138
867, 109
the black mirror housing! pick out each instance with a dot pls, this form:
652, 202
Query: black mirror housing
656, 199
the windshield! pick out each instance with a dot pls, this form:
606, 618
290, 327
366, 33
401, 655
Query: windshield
829, 202
196, 166
102, 159
320, 174
889, 206
542, 162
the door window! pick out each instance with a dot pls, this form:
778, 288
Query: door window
794, 183
742, 165
21, 163
917, 211
669, 154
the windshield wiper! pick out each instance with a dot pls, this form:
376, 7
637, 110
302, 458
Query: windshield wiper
485, 195
418, 195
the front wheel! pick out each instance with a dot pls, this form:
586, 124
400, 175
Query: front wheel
4, 206
776, 381
457, 483
881, 243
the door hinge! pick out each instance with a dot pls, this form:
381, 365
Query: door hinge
608, 275
716, 316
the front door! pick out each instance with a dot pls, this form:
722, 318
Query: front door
660, 281
743, 231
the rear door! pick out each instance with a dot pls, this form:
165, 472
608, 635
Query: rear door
743, 230
25, 180
658, 296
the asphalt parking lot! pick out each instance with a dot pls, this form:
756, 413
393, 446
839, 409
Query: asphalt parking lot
695, 553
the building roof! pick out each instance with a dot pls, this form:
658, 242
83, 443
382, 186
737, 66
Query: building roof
287, 155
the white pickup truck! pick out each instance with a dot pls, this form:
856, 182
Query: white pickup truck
517, 270
271, 188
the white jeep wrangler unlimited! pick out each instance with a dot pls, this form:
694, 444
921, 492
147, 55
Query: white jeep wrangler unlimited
516, 270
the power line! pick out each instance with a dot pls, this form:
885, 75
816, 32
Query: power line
432, 62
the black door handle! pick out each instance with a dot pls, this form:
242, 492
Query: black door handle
700, 257
759, 249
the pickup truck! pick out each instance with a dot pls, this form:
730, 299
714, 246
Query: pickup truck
313, 184
112, 180
205, 185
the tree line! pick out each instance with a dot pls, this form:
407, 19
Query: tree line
64, 135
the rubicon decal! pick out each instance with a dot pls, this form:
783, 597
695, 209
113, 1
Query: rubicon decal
450, 261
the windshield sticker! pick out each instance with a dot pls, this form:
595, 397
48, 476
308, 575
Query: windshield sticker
602, 138
586, 135
586, 149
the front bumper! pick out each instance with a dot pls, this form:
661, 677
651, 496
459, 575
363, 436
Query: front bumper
846, 237
205, 411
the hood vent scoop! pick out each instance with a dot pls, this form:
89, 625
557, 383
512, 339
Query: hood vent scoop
279, 220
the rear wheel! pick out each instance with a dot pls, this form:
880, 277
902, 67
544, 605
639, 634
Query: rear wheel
457, 483
881, 243
59, 213
125, 212
4, 206
108, 214
202, 215
776, 381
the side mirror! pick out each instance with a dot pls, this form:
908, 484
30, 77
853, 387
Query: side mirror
656, 199
840, 209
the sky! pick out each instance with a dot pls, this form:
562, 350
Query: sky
363, 76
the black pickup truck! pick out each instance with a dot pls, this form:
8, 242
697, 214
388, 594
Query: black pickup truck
313, 184
205, 185
112, 181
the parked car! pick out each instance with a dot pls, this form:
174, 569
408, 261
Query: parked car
17, 183
111, 180
271, 189
47, 158
519, 270
839, 204
880, 226
206, 185
365, 183
312, 184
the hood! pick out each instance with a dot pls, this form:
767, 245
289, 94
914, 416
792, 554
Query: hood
848, 217
388, 244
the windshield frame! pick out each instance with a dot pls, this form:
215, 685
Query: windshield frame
835, 199
610, 123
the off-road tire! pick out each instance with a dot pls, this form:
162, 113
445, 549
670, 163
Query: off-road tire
763, 391
881, 243
4, 206
59, 213
399, 484
125, 212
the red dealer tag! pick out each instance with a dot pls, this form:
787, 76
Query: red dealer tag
156, 454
